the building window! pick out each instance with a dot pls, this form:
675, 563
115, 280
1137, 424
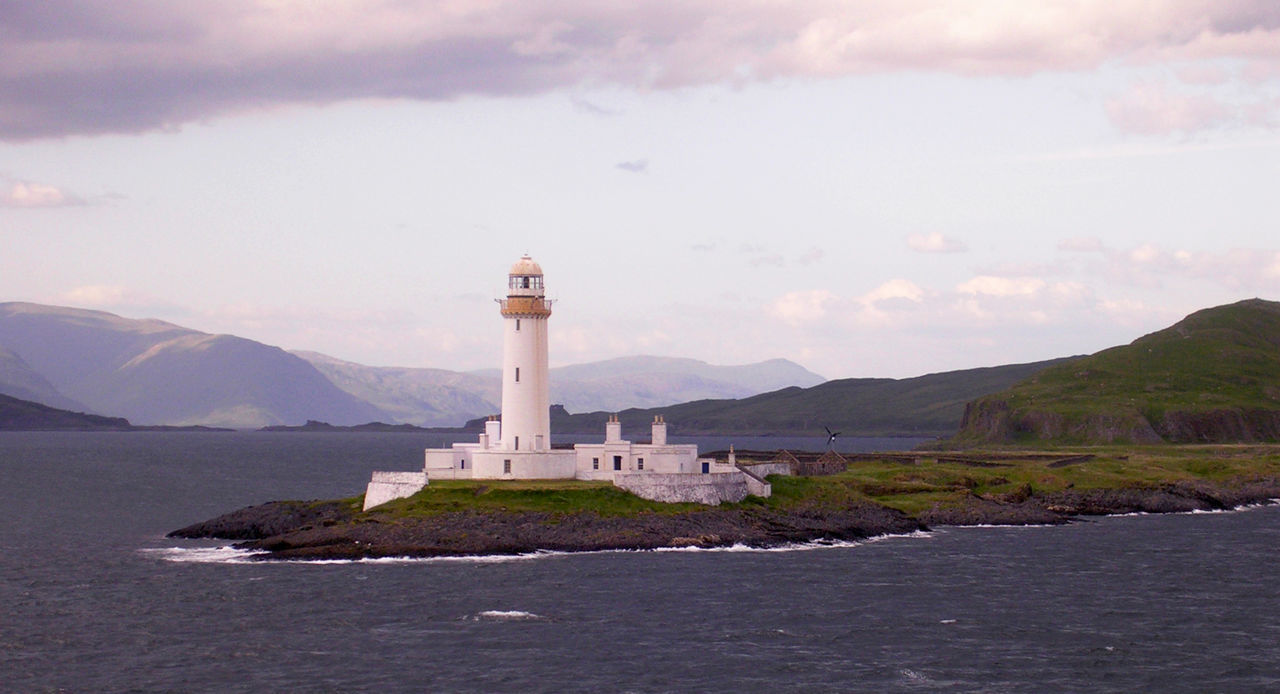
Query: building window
517, 446
617, 462
506, 467
517, 325
639, 463
595, 463
462, 464
517, 374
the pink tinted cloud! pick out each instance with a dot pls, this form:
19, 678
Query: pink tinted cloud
71, 67
1149, 109
935, 242
33, 195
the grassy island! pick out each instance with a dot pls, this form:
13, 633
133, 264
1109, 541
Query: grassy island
877, 494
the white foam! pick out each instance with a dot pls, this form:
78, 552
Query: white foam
1010, 525
1233, 509
791, 546
505, 616
202, 555
231, 555
480, 559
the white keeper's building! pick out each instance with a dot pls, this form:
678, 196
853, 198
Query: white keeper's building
518, 446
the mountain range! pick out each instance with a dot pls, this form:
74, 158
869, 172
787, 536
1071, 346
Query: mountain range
1212, 377
154, 372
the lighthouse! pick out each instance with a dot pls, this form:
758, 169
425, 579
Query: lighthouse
519, 446
526, 400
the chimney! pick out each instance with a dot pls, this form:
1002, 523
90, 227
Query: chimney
659, 431
492, 432
613, 430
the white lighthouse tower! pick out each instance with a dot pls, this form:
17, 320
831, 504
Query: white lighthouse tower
519, 446
526, 400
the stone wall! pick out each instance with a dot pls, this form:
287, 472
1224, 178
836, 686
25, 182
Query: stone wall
711, 489
386, 486
763, 470
756, 484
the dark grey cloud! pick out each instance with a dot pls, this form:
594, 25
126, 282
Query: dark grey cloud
85, 67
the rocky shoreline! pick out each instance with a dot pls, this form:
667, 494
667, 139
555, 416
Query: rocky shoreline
291, 530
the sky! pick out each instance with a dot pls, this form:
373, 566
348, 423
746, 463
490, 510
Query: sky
870, 189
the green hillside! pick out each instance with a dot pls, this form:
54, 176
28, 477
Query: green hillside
1212, 377
929, 405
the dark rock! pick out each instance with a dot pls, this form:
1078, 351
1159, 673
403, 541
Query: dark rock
267, 520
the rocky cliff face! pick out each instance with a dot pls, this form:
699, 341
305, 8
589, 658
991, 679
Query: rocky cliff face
994, 420
1220, 426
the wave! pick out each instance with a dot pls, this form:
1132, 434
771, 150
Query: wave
505, 616
202, 555
1201, 511
231, 555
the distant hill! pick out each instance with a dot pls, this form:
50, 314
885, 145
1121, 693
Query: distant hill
24, 415
154, 372
19, 380
1212, 377
436, 397
648, 381
929, 405
423, 397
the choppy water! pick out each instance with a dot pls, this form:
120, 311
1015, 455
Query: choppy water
94, 599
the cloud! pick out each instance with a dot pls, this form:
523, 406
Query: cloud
990, 285
27, 194
797, 308
113, 297
1148, 109
894, 289
935, 243
72, 67
95, 296
635, 166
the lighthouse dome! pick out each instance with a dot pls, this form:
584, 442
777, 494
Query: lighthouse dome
526, 267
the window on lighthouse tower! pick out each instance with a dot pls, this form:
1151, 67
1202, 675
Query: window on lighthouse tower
517, 374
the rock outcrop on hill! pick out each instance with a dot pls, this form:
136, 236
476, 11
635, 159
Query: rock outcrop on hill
1213, 377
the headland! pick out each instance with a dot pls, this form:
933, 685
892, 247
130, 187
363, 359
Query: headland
876, 494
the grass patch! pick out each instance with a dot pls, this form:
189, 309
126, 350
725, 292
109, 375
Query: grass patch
545, 496
910, 488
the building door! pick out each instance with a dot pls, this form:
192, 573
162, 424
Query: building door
617, 462
706, 468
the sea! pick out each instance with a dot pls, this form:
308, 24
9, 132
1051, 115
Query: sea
94, 598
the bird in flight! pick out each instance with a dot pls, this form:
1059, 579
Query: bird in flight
831, 437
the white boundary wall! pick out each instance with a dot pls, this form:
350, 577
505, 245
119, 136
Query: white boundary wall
385, 486
711, 489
